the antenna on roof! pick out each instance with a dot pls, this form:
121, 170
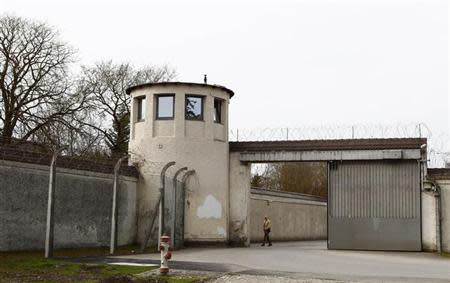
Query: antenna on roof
205, 78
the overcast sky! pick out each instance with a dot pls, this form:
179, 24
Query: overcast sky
290, 63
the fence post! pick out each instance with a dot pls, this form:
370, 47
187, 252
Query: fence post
183, 199
161, 202
113, 242
152, 222
174, 206
50, 206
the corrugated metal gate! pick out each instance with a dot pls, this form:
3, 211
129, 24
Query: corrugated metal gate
374, 205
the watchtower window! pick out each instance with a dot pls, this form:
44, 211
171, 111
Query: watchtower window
194, 107
165, 105
140, 108
218, 110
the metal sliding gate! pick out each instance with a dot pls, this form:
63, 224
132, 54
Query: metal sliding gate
374, 205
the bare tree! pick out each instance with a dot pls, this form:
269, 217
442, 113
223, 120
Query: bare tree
104, 85
301, 177
34, 84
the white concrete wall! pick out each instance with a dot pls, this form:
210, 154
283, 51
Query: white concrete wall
428, 220
292, 218
199, 145
445, 198
82, 209
430, 217
239, 223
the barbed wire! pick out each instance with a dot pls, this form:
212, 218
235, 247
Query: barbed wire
100, 156
438, 143
323, 132
96, 160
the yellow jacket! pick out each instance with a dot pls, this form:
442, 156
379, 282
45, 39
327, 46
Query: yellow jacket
267, 224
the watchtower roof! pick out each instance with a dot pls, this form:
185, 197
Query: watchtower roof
214, 86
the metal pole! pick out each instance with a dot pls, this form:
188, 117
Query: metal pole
147, 237
183, 199
50, 205
174, 206
113, 242
161, 227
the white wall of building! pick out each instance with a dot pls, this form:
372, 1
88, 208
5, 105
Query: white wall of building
431, 236
429, 220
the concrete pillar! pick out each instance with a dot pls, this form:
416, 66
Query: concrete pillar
239, 220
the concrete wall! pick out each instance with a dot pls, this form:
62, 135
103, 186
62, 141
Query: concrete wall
199, 145
431, 236
429, 220
239, 221
293, 218
83, 203
445, 199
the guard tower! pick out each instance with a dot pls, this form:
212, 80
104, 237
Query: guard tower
186, 123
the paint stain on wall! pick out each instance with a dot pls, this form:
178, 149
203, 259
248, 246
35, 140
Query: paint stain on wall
221, 231
211, 208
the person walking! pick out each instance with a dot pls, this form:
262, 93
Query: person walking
266, 226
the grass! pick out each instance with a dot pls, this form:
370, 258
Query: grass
30, 268
33, 267
444, 254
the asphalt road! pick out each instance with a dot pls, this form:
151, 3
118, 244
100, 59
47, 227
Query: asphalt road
310, 260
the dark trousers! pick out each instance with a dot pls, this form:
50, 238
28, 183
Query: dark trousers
266, 236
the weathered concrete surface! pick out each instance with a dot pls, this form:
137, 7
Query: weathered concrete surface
292, 218
445, 198
239, 201
431, 236
83, 202
317, 155
429, 220
313, 260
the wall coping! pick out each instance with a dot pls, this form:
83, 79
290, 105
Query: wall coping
67, 171
439, 173
291, 195
331, 145
106, 166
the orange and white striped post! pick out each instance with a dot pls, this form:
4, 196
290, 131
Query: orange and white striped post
165, 254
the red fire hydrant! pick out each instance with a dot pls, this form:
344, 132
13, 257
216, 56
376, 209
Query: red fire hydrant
165, 254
